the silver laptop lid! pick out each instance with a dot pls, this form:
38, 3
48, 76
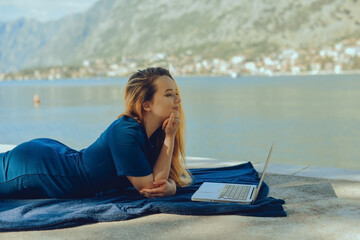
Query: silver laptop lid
254, 196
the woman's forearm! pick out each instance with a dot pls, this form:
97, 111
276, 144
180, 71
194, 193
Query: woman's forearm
162, 166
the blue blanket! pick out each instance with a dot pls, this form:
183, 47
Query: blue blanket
39, 214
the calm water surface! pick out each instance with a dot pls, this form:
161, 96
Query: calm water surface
313, 120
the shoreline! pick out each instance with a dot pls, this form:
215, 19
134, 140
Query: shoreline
273, 168
239, 76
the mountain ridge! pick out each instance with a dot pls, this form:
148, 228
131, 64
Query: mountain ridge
116, 28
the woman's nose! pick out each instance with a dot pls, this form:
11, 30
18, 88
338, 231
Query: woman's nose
178, 99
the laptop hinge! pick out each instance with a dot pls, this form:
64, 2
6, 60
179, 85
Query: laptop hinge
254, 194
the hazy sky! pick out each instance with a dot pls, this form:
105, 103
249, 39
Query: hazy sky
42, 10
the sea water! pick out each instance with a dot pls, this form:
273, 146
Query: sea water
313, 120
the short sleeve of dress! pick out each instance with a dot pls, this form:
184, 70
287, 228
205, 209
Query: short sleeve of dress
127, 150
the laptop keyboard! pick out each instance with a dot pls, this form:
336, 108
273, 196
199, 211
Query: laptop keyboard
235, 192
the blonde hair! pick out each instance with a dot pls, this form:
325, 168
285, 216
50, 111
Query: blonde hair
141, 88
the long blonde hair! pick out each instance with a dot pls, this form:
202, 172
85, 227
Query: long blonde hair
141, 88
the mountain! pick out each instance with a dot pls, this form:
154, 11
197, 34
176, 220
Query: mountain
221, 28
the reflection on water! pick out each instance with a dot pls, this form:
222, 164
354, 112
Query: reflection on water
313, 120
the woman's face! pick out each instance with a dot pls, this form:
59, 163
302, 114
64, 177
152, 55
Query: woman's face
166, 99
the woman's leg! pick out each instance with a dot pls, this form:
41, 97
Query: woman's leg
15, 189
43, 186
36, 170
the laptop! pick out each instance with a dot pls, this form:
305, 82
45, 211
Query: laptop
228, 192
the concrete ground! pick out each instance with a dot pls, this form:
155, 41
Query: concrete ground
317, 208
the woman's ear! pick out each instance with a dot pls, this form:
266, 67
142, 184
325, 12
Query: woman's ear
147, 106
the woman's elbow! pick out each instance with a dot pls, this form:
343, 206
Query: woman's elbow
140, 183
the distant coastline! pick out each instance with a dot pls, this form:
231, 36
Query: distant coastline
310, 73
276, 74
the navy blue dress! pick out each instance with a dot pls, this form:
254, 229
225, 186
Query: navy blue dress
46, 168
